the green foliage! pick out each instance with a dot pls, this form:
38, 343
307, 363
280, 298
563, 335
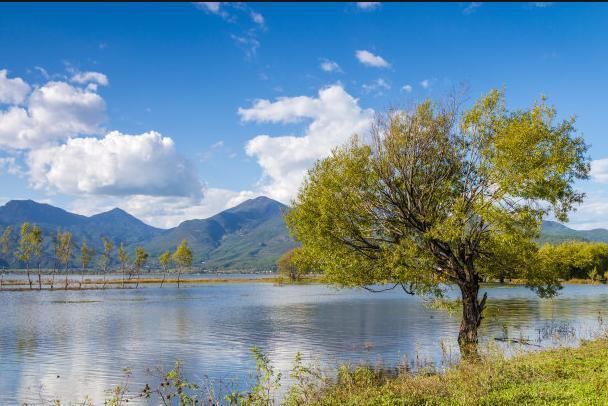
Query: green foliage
123, 256
63, 247
575, 259
292, 264
306, 383
164, 260
441, 198
24, 249
141, 257
36, 239
106, 256
5, 241
86, 255
267, 383
183, 255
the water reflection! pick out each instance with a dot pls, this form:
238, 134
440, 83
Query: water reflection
70, 344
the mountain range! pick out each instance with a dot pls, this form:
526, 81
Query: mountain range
250, 236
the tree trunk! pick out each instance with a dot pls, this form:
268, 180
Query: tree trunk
163, 281
137, 284
123, 277
472, 309
178, 275
29, 280
39, 279
66, 277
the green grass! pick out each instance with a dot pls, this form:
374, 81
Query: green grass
565, 376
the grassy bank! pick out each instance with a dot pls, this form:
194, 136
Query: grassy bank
564, 376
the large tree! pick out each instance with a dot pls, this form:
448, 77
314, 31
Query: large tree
438, 197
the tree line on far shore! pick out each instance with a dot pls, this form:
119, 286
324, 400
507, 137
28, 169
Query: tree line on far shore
28, 251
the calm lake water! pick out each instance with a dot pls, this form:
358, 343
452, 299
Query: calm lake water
71, 344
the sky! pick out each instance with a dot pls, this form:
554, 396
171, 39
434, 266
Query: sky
179, 111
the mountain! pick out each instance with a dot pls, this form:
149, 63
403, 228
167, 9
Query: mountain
251, 235
115, 225
555, 233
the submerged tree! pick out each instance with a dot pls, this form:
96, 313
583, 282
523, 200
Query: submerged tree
104, 261
24, 249
292, 265
141, 257
36, 241
5, 247
86, 255
182, 258
442, 198
123, 258
5, 242
63, 250
164, 260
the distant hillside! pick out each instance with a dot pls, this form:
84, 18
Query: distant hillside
251, 235
555, 233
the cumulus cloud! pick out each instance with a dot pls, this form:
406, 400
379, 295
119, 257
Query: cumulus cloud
52, 113
117, 164
369, 59
335, 116
368, 5
425, 84
12, 91
162, 211
330, 66
90, 77
407, 88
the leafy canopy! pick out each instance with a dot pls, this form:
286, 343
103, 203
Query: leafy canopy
437, 196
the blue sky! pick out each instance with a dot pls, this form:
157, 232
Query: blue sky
177, 111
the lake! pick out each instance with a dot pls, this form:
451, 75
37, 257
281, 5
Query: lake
71, 344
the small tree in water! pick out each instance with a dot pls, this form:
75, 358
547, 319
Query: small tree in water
86, 255
141, 257
36, 240
5, 247
64, 252
24, 249
291, 265
106, 256
439, 198
123, 258
182, 258
164, 260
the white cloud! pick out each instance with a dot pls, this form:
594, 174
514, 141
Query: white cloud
425, 84
472, 7
213, 7
12, 91
248, 43
599, 170
257, 18
117, 164
335, 115
541, 4
369, 59
407, 88
90, 77
377, 86
330, 66
53, 112
162, 211
10, 165
368, 5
